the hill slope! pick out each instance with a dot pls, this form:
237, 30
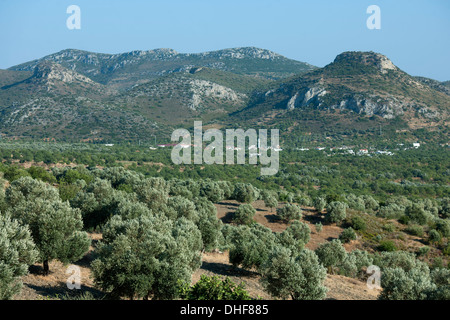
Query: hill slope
127, 69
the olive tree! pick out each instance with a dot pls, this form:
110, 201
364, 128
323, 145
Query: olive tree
17, 253
331, 254
289, 212
336, 212
209, 225
244, 214
55, 226
244, 193
147, 257
295, 236
298, 276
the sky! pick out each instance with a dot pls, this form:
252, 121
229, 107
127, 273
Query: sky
414, 34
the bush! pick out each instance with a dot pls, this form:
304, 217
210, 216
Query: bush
387, 245
319, 227
417, 213
400, 284
214, 288
331, 254
415, 230
146, 257
244, 214
244, 193
336, 212
270, 201
347, 235
443, 226
295, 237
250, 246
434, 236
389, 227
299, 277
319, 203
17, 253
358, 223
289, 212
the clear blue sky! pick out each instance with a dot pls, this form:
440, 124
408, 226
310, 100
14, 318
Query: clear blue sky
414, 34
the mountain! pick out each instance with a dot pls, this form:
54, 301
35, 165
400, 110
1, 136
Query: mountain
195, 93
125, 70
55, 102
363, 83
75, 95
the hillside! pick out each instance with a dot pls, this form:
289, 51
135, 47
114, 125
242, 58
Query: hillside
75, 95
128, 69
199, 92
354, 88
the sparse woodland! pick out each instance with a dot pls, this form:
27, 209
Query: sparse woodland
157, 222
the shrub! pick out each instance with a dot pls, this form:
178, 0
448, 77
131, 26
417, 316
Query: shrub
17, 253
415, 230
347, 235
336, 212
331, 254
244, 193
319, 227
244, 214
295, 237
417, 213
289, 212
434, 236
400, 284
250, 246
146, 257
214, 288
389, 227
443, 226
270, 201
358, 223
319, 203
387, 245
299, 277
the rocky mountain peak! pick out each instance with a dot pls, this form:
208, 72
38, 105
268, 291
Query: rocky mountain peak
371, 59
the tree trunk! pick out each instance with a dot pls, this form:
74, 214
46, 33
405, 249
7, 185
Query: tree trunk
46, 268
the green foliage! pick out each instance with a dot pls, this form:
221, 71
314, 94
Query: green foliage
295, 236
298, 276
55, 226
336, 212
289, 212
434, 236
358, 223
347, 235
250, 246
417, 213
209, 225
17, 253
415, 230
331, 254
319, 227
400, 284
244, 214
214, 288
387, 245
319, 203
97, 203
146, 257
244, 193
